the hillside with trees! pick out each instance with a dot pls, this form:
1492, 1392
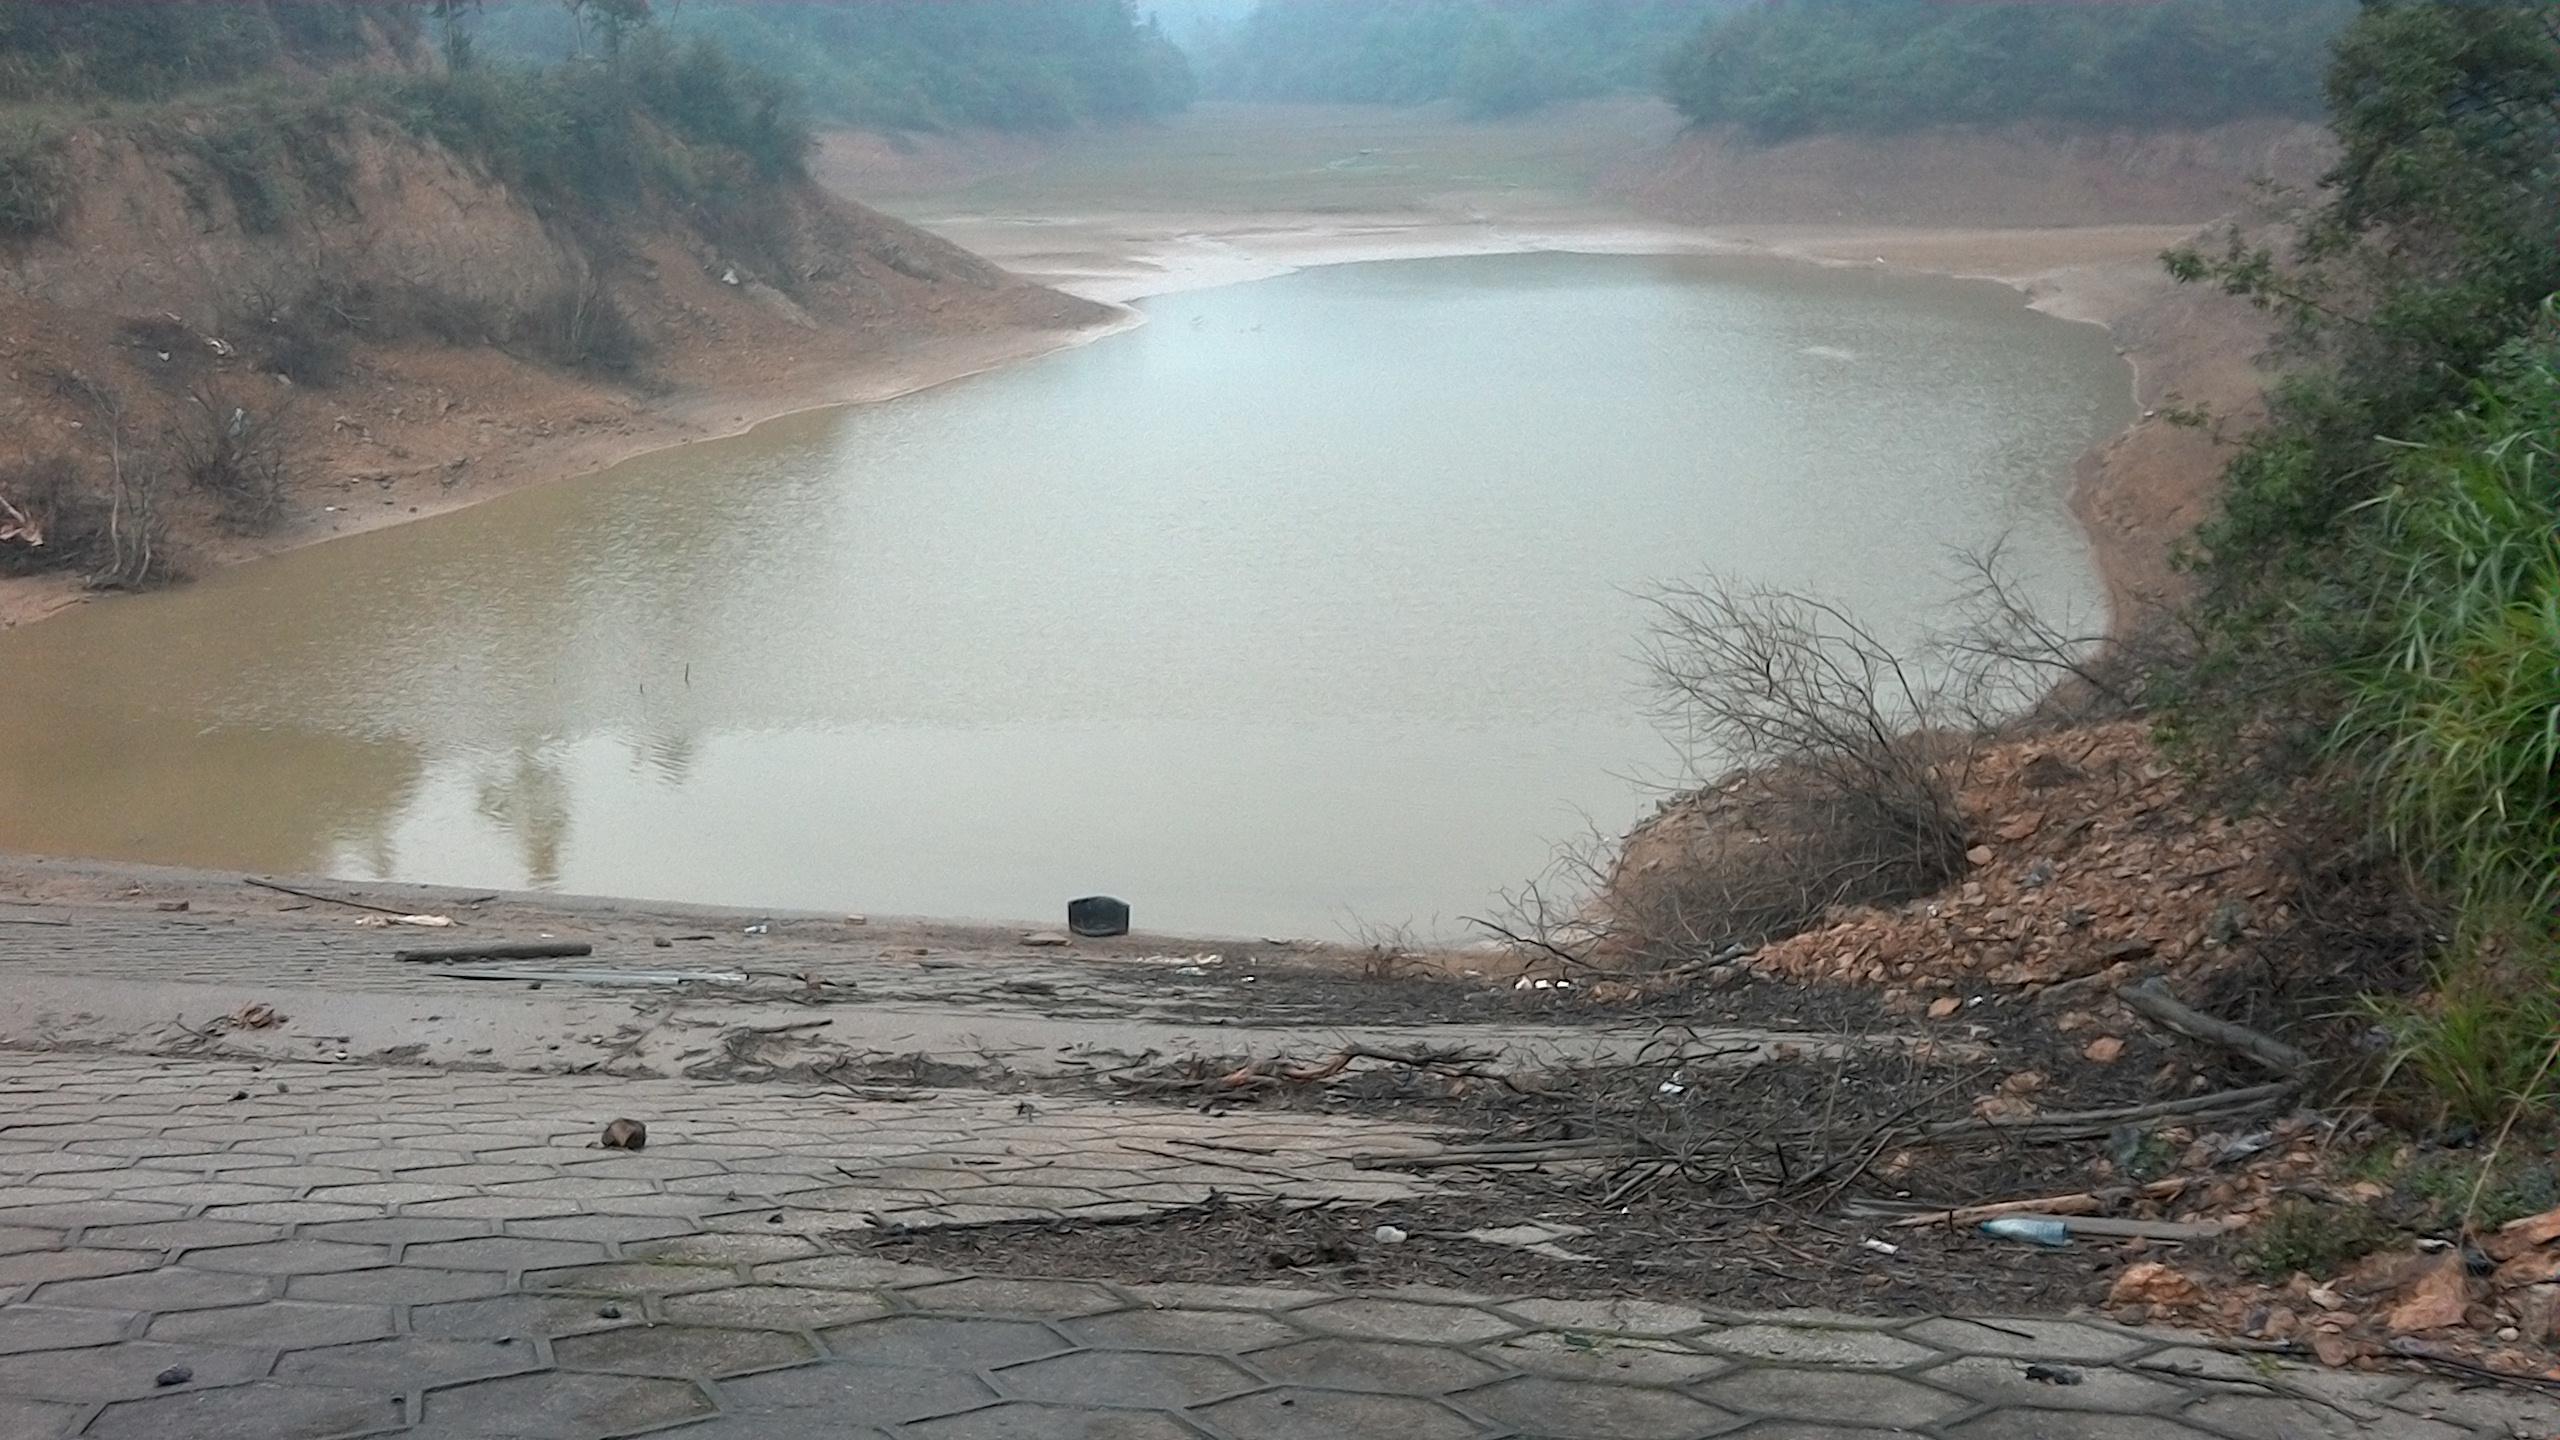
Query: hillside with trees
250, 249
1793, 67
914, 64
1494, 57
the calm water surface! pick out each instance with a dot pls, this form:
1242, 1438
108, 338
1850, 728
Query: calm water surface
1304, 608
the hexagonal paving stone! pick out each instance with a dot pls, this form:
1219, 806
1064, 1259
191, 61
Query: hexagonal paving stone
724, 1249
280, 1324
35, 1267
1814, 1345
1631, 1360
2027, 1339
508, 1315
681, 1351
1326, 1415
116, 1372
2267, 1417
2491, 1411
169, 1288
180, 1234
776, 1307
1126, 1378
1402, 1320
405, 1362
1594, 1411
1047, 1299
632, 1278
36, 1420
1210, 1332
1382, 1365
848, 1272
772, 1425
30, 1327
888, 1394
263, 1410
954, 1344
561, 1406
1182, 1295
1607, 1317
504, 1253
1020, 1421
397, 1285
616, 1229
287, 1257
1830, 1395
2065, 1425
1999, 1380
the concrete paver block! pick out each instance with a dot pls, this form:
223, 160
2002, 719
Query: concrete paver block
263, 1410
562, 1406
2267, 1417
1301, 1414
2027, 1339
1219, 1332
988, 1295
1631, 1360
1810, 1345
1127, 1378
278, 1324
1550, 1406
287, 1257
1387, 1366
406, 1362
2051, 1385
885, 1394
1851, 1399
682, 1351
1379, 1319
2071, 1425
961, 1344
1025, 1421
776, 1307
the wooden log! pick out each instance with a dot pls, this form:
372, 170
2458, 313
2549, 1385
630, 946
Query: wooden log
2153, 1000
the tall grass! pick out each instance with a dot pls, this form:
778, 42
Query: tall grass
2455, 716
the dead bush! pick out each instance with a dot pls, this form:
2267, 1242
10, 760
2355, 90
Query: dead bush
224, 448
115, 532
50, 519
580, 326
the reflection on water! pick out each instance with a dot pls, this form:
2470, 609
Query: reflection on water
1304, 606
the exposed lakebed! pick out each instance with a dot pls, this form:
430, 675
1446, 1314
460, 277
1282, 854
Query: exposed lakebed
1305, 607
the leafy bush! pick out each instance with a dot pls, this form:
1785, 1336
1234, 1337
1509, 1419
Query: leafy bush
2310, 1238
2380, 591
580, 327
1794, 66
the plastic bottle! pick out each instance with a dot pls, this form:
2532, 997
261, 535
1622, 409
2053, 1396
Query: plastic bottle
2032, 1229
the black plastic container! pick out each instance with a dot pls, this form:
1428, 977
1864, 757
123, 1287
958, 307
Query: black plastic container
1098, 915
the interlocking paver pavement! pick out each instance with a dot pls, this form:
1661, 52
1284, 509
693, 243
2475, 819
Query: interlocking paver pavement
201, 1249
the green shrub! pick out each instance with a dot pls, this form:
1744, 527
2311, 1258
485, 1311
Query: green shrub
2312, 1238
35, 184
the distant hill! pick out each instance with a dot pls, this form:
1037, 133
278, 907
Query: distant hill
1795, 67
1493, 56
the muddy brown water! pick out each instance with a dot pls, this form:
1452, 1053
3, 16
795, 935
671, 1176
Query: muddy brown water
1306, 608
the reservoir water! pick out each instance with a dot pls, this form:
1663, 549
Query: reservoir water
1305, 608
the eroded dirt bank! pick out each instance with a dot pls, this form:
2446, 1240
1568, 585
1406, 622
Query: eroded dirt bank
390, 340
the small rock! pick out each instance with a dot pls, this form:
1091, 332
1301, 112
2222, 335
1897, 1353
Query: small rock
2105, 1050
1978, 855
626, 1135
857, 919
1944, 1006
2438, 1298
2155, 1285
2335, 1350
1389, 1235
663, 943
1044, 939
608, 1311
171, 906
174, 1375
2053, 1375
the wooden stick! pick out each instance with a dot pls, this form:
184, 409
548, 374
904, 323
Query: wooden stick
14, 920
538, 950
2072, 1124
2084, 1203
324, 899
2153, 1000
